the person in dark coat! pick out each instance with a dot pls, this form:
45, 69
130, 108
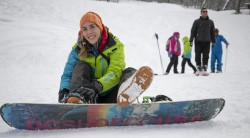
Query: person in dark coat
202, 33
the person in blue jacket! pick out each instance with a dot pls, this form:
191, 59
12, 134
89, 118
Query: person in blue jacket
217, 51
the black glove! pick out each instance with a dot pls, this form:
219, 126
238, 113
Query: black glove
191, 43
63, 95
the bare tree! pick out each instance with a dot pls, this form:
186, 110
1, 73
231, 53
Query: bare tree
203, 4
225, 5
237, 6
210, 4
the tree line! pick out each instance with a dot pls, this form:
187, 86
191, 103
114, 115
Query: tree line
217, 5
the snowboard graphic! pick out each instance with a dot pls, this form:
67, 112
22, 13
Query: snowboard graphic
134, 86
64, 116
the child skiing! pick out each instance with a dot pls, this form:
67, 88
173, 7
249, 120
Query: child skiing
217, 51
187, 55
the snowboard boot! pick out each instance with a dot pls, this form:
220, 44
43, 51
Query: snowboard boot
133, 87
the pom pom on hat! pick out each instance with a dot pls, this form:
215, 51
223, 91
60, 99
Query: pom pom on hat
93, 18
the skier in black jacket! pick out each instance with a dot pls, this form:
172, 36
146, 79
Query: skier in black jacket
202, 32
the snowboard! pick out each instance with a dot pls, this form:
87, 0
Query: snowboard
133, 87
32, 116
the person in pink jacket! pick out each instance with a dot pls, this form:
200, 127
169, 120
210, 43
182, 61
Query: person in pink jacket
174, 51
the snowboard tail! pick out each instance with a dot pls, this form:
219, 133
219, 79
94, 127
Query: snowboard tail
64, 116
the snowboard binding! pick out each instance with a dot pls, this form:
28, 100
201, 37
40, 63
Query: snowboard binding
158, 98
83, 95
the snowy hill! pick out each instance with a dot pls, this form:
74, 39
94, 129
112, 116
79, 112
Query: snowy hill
36, 37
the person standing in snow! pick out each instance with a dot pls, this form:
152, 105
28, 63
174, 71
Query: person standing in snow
217, 51
203, 33
187, 52
174, 51
95, 65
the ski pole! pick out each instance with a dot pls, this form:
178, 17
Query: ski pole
226, 60
156, 36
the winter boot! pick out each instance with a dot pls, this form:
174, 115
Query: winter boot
205, 73
176, 72
182, 70
194, 69
199, 71
218, 71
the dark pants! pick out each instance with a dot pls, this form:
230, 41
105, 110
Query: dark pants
183, 63
81, 76
173, 61
202, 50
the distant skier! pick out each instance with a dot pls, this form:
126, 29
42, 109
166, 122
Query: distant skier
217, 51
173, 48
187, 52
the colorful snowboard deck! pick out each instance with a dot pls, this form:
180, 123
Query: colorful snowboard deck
32, 116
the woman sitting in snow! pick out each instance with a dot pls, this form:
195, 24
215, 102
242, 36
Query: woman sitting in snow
95, 65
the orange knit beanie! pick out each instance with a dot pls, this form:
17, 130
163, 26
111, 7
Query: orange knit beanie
93, 18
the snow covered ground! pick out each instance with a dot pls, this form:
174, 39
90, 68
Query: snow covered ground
36, 37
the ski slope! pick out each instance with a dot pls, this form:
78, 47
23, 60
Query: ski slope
36, 37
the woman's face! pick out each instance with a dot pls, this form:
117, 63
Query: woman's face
91, 32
